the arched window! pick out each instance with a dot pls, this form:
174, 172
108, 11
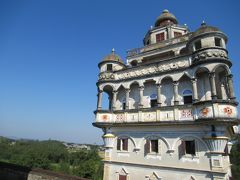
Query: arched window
153, 100
187, 96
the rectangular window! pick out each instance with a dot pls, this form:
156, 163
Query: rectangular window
190, 147
187, 99
177, 34
109, 67
124, 106
160, 37
122, 144
198, 45
154, 146
153, 103
151, 146
217, 42
122, 177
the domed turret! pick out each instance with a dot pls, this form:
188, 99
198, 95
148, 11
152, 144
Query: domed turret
113, 57
111, 62
165, 18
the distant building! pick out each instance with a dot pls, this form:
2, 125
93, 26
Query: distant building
172, 108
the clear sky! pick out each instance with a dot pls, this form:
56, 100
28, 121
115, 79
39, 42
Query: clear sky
50, 49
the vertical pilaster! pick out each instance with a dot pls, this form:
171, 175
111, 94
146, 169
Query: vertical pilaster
127, 98
213, 85
194, 87
99, 102
141, 89
159, 102
230, 85
175, 92
114, 100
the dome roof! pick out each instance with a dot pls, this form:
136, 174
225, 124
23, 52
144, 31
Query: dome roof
113, 57
205, 29
166, 18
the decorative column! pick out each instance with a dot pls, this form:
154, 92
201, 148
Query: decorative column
194, 87
175, 92
141, 88
114, 98
213, 85
230, 85
99, 102
159, 95
127, 98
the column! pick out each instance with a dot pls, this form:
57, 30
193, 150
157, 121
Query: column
141, 88
230, 85
159, 95
99, 101
114, 98
213, 85
127, 98
175, 92
194, 87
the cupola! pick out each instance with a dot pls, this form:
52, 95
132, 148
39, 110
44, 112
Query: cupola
111, 62
165, 19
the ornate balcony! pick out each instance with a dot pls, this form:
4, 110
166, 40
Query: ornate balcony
198, 112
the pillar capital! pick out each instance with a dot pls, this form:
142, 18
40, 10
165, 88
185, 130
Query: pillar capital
175, 83
230, 76
211, 74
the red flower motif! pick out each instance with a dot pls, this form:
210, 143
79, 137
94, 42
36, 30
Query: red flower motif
104, 117
205, 111
228, 111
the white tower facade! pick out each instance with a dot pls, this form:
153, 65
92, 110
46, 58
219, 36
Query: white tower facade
172, 110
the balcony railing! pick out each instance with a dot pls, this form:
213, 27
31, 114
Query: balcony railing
178, 113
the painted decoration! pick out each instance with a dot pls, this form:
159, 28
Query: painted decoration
228, 111
186, 114
120, 118
204, 112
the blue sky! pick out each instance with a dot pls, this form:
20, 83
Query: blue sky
49, 51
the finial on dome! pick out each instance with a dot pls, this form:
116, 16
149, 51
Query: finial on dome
203, 23
165, 11
113, 50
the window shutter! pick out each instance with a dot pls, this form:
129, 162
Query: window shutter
125, 144
118, 144
147, 146
122, 177
181, 148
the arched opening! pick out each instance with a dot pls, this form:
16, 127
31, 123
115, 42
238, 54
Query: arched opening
107, 97
221, 83
150, 94
121, 99
167, 91
134, 63
203, 84
134, 96
185, 90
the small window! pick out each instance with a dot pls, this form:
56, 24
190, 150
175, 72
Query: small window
109, 67
153, 103
122, 144
177, 34
198, 45
190, 147
122, 177
152, 146
217, 42
160, 37
123, 106
187, 97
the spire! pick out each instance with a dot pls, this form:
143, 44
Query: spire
113, 50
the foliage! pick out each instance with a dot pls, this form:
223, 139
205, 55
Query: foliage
235, 158
52, 155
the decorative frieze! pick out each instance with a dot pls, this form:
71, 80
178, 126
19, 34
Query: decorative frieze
138, 72
210, 54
